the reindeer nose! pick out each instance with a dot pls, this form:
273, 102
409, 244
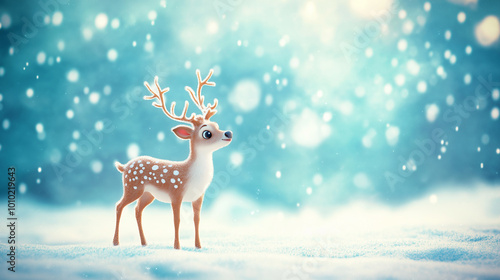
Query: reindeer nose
228, 134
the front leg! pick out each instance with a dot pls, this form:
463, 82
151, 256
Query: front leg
196, 210
176, 208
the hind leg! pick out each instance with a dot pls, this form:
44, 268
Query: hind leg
144, 201
128, 197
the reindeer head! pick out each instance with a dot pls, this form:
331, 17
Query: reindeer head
204, 134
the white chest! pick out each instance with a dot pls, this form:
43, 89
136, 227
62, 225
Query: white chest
199, 178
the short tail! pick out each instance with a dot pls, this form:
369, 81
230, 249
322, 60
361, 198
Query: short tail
119, 166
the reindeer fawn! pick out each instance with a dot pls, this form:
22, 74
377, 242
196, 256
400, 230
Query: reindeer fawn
146, 178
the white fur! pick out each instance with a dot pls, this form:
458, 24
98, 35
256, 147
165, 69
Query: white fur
199, 178
159, 194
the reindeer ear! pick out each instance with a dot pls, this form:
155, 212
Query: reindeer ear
183, 132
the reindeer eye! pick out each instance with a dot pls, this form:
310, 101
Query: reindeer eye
207, 134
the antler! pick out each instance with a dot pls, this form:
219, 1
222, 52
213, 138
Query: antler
160, 98
198, 99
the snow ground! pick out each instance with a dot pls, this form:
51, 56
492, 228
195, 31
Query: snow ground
452, 235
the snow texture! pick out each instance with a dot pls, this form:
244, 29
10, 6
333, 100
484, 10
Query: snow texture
453, 234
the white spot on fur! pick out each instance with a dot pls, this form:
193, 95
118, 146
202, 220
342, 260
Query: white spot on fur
135, 172
155, 167
165, 170
172, 180
163, 181
135, 188
176, 172
176, 186
140, 171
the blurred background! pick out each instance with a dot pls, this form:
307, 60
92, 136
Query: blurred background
328, 101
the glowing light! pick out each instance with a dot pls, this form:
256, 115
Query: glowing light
94, 97
495, 113
309, 190
70, 114
317, 179
422, 87
400, 79
40, 58
57, 18
245, 96
367, 8
402, 45
152, 15
87, 34
160, 136
408, 26
39, 127
101, 21
236, 158
115, 23
73, 75
467, 79
488, 31
309, 131
413, 67
133, 151
495, 94
369, 52
112, 55
29, 93
388, 89
5, 21
468, 50
461, 17
392, 135
431, 112
450, 100
427, 6
212, 27
447, 34
96, 166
